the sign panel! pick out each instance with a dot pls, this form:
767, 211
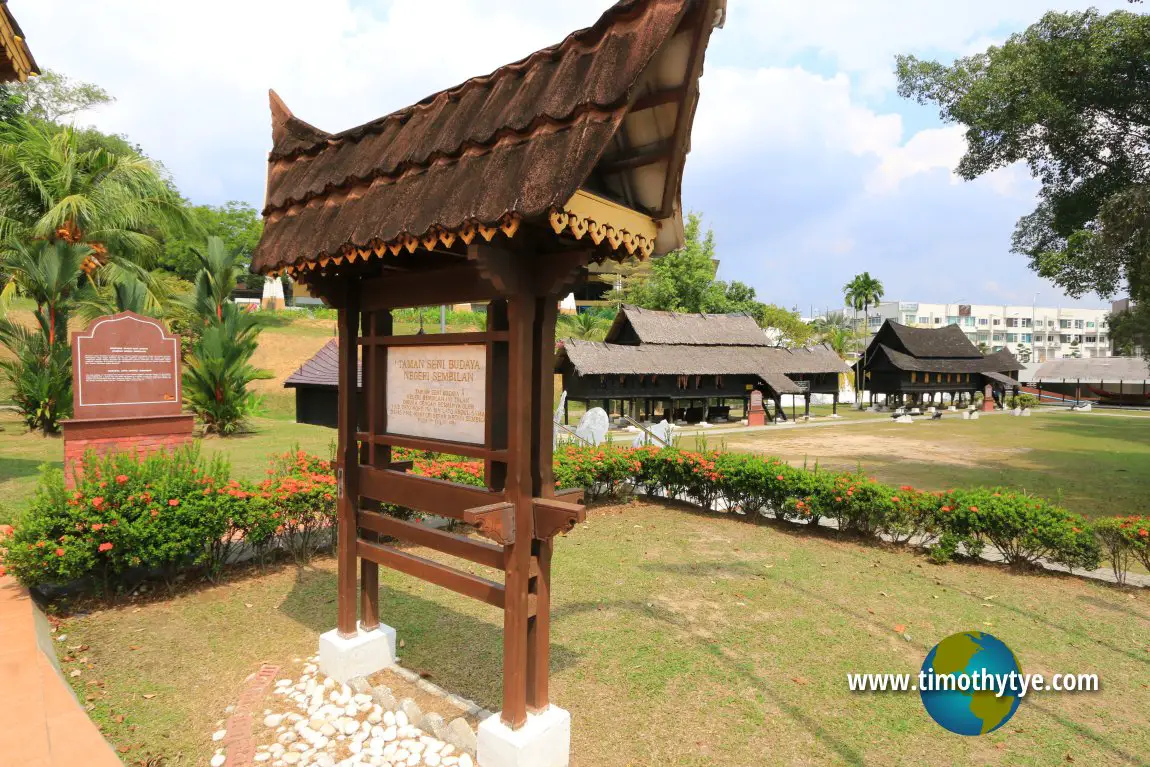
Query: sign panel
125, 366
756, 400
964, 310
438, 392
907, 307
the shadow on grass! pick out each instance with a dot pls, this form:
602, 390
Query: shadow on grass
728, 567
21, 468
713, 650
459, 652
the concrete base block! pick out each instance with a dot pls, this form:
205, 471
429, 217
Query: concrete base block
362, 655
545, 741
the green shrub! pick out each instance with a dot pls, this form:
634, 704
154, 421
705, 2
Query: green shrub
301, 491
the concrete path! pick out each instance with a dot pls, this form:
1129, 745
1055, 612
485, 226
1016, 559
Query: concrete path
44, 724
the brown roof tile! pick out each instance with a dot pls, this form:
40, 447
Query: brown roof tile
654, 327
520, 140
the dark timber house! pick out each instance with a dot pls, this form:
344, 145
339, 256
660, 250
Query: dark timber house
911, 364
688, 366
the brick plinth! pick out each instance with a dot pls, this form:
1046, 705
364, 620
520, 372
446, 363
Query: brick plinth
123, 435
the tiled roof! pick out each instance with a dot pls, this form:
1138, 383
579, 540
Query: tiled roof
977, 364
652, 327
771, 364
1096, 370
945, 342
518, 142
320, 370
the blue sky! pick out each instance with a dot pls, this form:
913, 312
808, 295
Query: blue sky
805, 161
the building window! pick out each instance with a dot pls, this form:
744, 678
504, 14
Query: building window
913, 377
1011, 338
951, 320
938, 320
1079, 324
924, 320
1065, 338
926, 377
876, 320
1026, 338
983, 321
1064, 324
1090, 324
997, 323
998, 336
908, 319
1025, 322
968, 322
718, 382
1101, 339
1091, 339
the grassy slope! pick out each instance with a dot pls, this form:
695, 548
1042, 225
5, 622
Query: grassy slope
1094, 464
678, 639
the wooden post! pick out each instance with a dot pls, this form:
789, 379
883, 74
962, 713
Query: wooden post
543, 486
520, 492
348, 459
807, 404
376, 324
835, 404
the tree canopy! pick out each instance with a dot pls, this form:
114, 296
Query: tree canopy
237, 225
1070, 97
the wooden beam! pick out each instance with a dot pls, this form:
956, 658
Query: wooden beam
686, 116
479, 552
435, 339
451, 285
423, 493
637, 157
659, 98
441, 575
435, 446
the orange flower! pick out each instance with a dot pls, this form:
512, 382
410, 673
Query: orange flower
121, 479
59, 552
974, 509
779, 478
104, 547
6, 530
98, 501
97, 527
894, 498
174, 502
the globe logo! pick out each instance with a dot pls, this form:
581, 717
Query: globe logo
967, 685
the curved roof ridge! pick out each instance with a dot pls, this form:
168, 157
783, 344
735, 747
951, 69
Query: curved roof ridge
575, 41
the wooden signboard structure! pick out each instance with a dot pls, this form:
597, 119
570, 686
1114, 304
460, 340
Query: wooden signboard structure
126, 389
500, 190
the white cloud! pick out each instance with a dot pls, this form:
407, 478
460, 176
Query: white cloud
863, 36
926, 150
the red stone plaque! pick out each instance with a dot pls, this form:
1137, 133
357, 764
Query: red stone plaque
125, 366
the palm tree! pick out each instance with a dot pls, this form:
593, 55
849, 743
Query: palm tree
587, 326
51, 189
39, 363
219, 367
861, 293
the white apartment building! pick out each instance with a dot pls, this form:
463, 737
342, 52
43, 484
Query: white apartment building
1047, 332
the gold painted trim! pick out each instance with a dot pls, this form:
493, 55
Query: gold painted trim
604, 220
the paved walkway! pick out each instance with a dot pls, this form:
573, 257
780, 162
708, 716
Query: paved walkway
43, 723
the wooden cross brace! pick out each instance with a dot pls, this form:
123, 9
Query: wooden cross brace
551, 517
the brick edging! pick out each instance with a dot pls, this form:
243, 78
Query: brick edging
239, 742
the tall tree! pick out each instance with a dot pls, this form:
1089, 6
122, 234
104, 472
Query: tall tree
861, 293
684, 281
237, 224
53, 97
51, 189
1070, 98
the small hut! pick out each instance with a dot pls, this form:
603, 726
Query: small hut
691, 367
915, 365
16, 62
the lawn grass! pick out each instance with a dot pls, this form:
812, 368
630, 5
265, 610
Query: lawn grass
678, 639
1095, 464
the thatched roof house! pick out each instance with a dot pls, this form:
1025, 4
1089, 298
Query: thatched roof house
16, 62
667, 356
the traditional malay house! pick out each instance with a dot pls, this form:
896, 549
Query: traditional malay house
914, 365
16, 62
499, 190
690, 367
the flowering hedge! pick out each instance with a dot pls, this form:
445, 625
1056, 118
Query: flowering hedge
128, 518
